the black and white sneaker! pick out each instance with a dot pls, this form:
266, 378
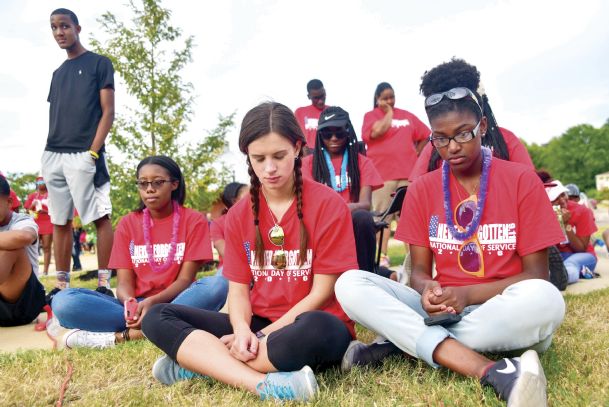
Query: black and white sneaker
519, 381
360, 354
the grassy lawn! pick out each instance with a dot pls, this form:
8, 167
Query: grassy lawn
576, 367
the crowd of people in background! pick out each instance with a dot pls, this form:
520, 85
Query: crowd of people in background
297, 246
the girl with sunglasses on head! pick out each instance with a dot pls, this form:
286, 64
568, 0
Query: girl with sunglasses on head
285, 248
394, 138
157, 251
503, 143
337, 163
487, 224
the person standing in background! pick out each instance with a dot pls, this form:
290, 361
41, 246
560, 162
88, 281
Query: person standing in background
38, 205
308, 116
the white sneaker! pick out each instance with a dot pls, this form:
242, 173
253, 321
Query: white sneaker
77, 338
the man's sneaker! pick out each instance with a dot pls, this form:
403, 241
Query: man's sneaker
519, 381
77, 338
360, 354
167, 371
300, 385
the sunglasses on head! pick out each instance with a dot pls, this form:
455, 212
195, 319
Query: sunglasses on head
470, 253
452, 94
328, 132
277, 237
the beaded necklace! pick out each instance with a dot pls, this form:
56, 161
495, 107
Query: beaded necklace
343, 171
174, 239
471, 228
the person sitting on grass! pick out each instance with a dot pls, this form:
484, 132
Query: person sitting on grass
21, 294
486, 223
337, 163
285, 248
231, 194
157, 251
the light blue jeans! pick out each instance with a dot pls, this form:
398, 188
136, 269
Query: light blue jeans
92, 311
574, 262
524, 316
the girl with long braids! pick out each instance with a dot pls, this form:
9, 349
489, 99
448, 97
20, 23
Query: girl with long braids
337, 163
157, 251
487, 224
285, 248
503, 143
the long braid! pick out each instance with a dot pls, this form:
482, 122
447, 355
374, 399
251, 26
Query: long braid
353, 165
298, 190
255, 197
494, 139
321, 173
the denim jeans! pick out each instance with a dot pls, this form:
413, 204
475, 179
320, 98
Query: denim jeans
524, 315
93, 311
574, 262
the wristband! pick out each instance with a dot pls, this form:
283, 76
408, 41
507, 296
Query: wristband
94, 155
260, 335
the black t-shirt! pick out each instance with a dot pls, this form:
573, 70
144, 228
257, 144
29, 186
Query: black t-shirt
75, 108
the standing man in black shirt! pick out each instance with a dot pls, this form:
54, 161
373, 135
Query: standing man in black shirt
73, 163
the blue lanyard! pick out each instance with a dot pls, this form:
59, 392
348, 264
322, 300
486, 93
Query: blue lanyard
343, 171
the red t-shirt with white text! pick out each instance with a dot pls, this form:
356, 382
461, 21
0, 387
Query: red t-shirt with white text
307, 117
368, 175
43, 220
394, 153
129, 248
517, 220
331, 250
582, 220
517, 151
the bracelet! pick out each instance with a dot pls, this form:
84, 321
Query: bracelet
94, 155
260, 334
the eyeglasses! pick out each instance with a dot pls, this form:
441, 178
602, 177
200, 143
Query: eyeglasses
453, 94
461, 138
327, 133
470, 253
156, 184
277, 237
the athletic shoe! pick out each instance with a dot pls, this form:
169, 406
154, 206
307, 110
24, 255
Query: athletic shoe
384, 262
77, 338
300, 385
558, 272
167, 371
519, 381
360, 354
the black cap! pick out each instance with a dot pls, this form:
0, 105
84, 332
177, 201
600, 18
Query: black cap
333, 116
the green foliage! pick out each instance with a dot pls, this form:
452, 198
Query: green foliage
576, 156
22, 183
149, 56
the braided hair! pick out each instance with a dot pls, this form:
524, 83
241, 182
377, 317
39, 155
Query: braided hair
321, 171
178, 194
454, 74
266, 118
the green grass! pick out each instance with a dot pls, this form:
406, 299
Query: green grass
576, 366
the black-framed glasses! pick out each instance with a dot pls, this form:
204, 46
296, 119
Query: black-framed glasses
328, 132
453, 94
156, 184
464, 137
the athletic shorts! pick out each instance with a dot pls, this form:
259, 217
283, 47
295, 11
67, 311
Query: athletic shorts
27, 307
76, 180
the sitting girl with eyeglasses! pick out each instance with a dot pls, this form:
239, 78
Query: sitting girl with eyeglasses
284, 249
157, 251
337, 163
487, 223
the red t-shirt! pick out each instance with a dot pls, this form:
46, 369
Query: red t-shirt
129, 248
517, 151
394, 153
368, 175
582, 220
331, 250
517, 220
307, 117
43, 220
216, 232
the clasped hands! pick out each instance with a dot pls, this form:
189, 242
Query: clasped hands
436, 299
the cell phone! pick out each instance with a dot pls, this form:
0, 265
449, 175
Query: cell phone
442, 319
130, 309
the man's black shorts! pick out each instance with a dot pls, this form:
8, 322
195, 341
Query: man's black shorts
27, 307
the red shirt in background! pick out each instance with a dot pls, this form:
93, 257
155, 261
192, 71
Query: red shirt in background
216, 232
582, 220
331, 250
43, 220
129, 248
517, 220
307, 117
517, 151
368, 175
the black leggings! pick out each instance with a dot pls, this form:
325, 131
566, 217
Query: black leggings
315, 338
365, 242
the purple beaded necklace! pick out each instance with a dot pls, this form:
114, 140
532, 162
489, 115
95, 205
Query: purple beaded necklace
174, 240
471, 229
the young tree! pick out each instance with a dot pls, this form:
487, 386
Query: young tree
149, 56
22, 183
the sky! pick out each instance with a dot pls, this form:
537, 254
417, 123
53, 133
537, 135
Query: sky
543, 64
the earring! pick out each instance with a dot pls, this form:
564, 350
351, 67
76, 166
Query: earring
295, 158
